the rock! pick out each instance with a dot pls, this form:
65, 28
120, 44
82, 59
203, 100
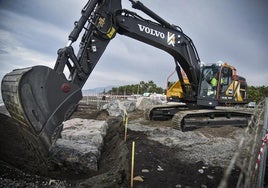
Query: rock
138, 178
79, 147
159, 168
145, 171
161, 98
85, 129
201, 171
130, 106
210, 177
144, 103
117, 108
115, 163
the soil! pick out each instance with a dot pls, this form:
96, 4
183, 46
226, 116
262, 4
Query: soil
159, 167
156, 165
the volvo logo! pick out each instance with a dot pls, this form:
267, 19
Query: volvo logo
171, 39
151, 31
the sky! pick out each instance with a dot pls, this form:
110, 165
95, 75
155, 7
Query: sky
232, 31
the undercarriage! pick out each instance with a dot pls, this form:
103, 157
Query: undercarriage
184, 118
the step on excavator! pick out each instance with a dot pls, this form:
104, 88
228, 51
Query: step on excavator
40, 98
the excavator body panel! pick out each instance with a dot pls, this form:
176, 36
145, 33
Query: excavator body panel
175, 92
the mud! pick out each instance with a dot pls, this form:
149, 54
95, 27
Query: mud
156, 164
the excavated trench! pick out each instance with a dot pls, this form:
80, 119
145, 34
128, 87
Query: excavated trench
19, 168
163, 157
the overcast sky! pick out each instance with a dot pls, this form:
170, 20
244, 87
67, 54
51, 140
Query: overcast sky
231, 31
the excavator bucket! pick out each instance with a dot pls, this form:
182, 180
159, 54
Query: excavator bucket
40, 99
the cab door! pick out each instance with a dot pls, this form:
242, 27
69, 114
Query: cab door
226, 85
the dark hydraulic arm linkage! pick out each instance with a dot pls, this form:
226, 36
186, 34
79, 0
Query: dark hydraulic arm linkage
103, 19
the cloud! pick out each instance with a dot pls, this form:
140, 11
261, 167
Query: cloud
32, 31
17, 56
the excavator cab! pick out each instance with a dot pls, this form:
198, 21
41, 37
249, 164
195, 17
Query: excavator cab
208, 85
219, 85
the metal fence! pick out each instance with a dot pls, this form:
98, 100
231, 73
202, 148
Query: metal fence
96, 101
250, 156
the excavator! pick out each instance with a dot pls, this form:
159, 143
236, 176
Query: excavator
40, 98
220, 90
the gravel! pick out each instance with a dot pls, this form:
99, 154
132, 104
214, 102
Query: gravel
193, 146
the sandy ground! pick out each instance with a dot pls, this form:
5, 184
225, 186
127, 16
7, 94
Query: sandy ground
163, 157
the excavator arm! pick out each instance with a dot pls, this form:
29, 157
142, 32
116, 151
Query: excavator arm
107, 20
170, 39
41, 98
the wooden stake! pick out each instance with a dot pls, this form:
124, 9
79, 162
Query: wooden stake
125, 138
132, 164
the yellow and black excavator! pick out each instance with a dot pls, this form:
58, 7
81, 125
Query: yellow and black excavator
219, 81
220, 84
40, 98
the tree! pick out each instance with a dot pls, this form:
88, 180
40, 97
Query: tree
140, 88
257, 94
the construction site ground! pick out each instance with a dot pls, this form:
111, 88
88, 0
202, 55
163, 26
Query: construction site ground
158, 158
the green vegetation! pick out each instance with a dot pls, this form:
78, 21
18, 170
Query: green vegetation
140, 88
255, 93
258, 93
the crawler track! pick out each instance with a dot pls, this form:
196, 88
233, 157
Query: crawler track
190, 119
163, 112
184, 118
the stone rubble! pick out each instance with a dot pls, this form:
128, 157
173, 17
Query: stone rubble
118, 108
192, 146
79, 147
144, 103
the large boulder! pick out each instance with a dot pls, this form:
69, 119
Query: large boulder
144, 103
118, 108
79, 147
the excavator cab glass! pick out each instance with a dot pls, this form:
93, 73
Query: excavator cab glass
232, 88
208, 85
226, 78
